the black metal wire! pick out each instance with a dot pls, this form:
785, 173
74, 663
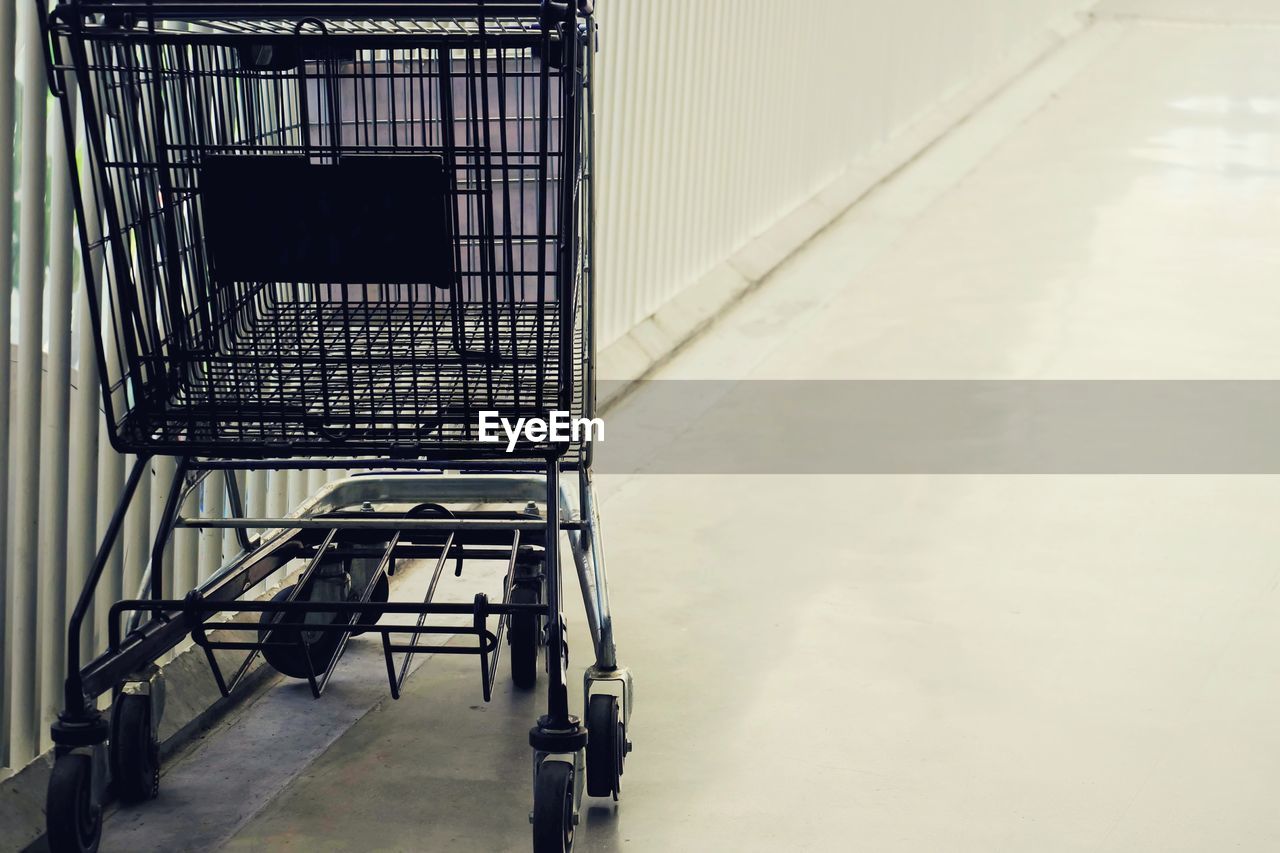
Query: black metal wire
214, 364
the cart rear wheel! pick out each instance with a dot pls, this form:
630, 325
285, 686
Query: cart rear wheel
133, 752
525, 632
289, 657
606, 746
553, 808
381, 595
73, 819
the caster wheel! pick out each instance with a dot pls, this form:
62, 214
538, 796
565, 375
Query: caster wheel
381, 595
553, 808
524, 633
73, 819
291, 659
606, 746
133, 753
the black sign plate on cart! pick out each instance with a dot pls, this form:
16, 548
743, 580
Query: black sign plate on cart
362, 220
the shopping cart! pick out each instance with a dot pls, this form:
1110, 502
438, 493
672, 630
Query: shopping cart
333, 235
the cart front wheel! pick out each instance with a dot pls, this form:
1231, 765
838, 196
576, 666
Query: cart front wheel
286, 654
381, 595
525, 633
606, 746
73, 819
134, 753
553, 808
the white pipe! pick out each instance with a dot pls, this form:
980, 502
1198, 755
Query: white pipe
111, 586
164, 467
186, 549
8, 23
21, 643
86, 415
137, 534
299, 488
52, 557
213, 505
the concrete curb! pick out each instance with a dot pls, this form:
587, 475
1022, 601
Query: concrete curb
193, 704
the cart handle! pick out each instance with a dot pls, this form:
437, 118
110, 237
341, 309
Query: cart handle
558, 10
52, 53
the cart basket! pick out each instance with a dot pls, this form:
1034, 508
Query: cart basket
339, 229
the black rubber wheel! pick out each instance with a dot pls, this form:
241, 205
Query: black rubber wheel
381, 595
73, 820
553, 808
525, 633
606, 746
133, 752
291, 659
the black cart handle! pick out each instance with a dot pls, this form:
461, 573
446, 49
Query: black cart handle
559, 10
52, 54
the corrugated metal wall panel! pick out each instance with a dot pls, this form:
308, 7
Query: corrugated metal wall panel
719, 117
22, 687
716, 119
8, 35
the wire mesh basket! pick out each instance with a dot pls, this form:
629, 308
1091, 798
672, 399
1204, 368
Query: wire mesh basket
342, 232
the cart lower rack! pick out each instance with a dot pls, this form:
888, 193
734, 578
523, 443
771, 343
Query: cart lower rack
336, 556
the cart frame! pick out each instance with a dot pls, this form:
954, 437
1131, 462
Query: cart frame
362, 520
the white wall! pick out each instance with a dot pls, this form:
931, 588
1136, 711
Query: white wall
718, 117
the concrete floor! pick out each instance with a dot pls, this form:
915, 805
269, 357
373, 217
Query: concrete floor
911, 663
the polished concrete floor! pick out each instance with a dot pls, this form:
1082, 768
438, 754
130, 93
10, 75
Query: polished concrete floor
910, 663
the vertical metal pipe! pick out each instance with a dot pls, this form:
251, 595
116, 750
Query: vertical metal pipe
316, 479
82, 532
255, 494
82, 519
212, 505
111, 586
52, 557
235, 541
21, 627
186, 556
164, 467
8, 26
186, 549
278, 496
137, 535
277, 507
639, 85
298, 488
74, 696
653, 287
690, 56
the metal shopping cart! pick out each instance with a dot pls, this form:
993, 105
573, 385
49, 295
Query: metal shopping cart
335, 234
